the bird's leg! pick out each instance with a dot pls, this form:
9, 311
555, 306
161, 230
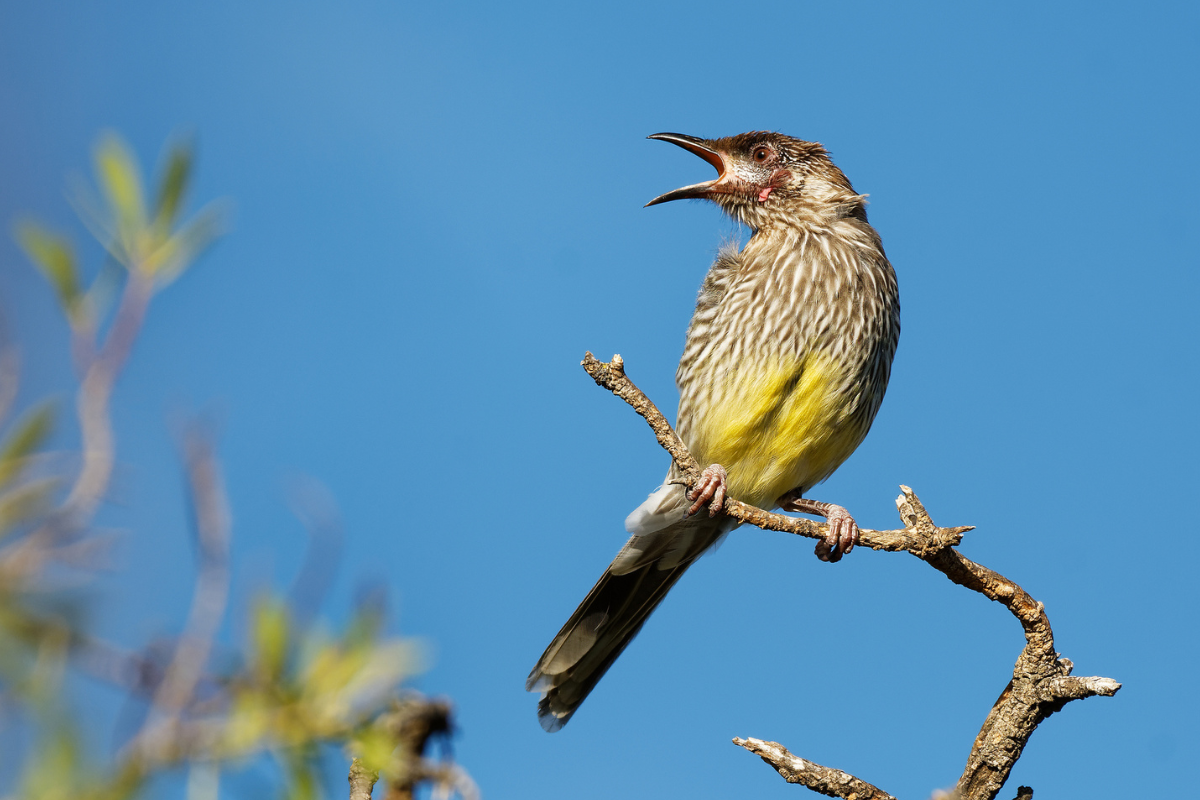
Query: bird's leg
843, 530
709, 487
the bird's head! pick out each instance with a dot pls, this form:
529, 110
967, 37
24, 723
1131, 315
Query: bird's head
767, 178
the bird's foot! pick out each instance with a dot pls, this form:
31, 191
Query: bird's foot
710, 488
843, 530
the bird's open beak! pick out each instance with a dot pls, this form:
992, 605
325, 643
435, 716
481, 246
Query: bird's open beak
701, 148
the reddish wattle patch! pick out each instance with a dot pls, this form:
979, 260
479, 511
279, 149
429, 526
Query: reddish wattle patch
764, 194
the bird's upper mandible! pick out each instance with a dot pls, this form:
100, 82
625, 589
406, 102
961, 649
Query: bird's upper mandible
766, 178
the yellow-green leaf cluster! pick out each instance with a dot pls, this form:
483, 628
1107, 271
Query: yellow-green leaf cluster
303, 685
146, 242
24, 496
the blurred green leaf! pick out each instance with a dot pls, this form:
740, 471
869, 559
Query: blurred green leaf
28, 434
269, 638
364, 627
327, 670
121, 182
374, 745
249, 720
178, 251
51, 771
301, 776
173, 185
385, 667
55, 258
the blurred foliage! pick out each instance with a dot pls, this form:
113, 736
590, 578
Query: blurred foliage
55, 258
24, 496
143, 240
291, 691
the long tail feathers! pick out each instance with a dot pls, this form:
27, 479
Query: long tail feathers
612, 614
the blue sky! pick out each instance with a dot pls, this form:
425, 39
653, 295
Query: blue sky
439, 209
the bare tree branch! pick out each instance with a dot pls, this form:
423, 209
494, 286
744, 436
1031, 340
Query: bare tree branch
92, 402
823, 780
1041, 683
102, 365
448, 779
362, 780
211, 510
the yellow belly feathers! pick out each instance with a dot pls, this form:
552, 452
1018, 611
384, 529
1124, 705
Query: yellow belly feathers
782, 424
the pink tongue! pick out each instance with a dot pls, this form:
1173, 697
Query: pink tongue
764, 194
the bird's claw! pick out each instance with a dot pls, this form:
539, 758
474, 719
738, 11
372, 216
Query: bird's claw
842, 535
710, 488
843, 530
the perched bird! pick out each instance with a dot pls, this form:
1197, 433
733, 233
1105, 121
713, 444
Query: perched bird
786, 361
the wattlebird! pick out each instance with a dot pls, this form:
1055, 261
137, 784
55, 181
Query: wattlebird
786, 361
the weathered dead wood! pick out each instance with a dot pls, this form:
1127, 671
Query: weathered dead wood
1041, 682
822, 780
362, 780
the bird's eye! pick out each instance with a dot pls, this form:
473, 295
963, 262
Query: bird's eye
761, 154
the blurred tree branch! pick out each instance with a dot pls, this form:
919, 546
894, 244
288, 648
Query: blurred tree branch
1041, 684
294, 690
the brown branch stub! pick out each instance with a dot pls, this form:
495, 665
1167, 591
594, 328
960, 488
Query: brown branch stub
1041, 683
362, 780
1068, 688
823, 780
